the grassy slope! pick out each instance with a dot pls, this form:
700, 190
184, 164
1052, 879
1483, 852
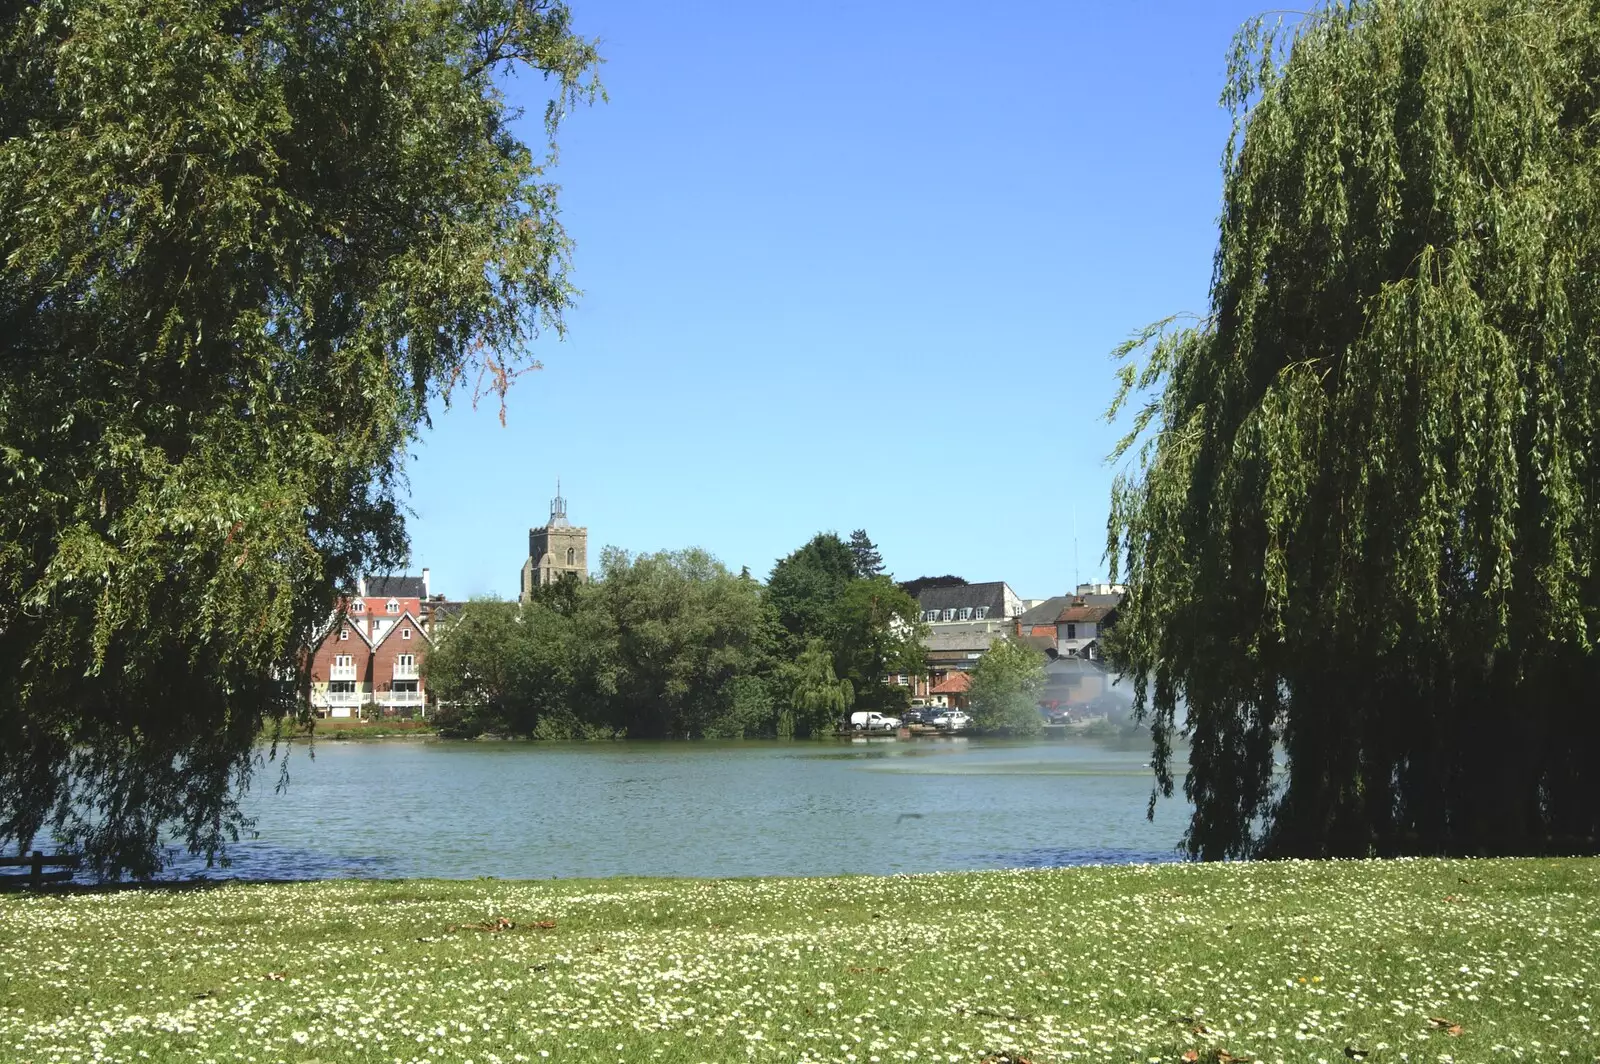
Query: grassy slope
1290, 962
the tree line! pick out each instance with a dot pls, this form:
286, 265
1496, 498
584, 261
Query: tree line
674, 645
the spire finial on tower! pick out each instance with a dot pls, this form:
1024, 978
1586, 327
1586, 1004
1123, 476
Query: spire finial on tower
558, 507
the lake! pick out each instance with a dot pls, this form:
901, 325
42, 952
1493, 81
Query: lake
536, 810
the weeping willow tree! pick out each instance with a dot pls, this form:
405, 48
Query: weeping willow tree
1360, 502
243, 246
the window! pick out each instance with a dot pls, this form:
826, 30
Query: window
358, 606
394, 606
981, 612
966, 613
342, 687
1016, 610
405, 633
374, 624
1072, 631
344, 633
343, 661
950, 615
572, 556
405, 662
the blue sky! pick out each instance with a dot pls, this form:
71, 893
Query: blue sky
849, 265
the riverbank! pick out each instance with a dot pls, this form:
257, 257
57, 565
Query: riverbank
1375, 961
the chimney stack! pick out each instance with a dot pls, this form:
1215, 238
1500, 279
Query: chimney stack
424, 582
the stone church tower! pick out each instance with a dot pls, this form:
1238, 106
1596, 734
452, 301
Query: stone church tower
555, 550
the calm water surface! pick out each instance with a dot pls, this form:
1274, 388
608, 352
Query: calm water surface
516, 810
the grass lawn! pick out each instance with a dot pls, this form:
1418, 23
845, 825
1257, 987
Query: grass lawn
1434, 961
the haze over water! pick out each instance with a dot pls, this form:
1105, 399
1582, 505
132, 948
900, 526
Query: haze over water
528, 810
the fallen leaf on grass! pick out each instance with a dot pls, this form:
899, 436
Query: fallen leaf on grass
1191, 1056
545, 925
1439, 1023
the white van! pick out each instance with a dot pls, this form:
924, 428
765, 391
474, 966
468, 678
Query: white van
868, 721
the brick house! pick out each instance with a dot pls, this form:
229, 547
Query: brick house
369, 661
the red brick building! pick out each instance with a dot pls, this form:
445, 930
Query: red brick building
369, 662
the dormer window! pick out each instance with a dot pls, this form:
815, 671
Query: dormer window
950, 614
966, 613
393, 606
981, 612
358, 606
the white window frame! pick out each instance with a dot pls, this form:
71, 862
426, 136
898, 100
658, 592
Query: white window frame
344, 633
981, 612
405, 633
950, 614
964, 614
344, 661
407, 662
358, 606
393, 606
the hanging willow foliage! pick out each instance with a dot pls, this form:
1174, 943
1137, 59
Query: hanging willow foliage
1359, 511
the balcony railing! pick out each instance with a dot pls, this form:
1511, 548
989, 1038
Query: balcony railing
406, 672
342, 672
400, 698
337, 699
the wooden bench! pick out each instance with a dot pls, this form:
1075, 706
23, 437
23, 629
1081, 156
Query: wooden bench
35, 863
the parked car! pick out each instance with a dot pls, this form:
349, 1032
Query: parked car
869, 721
920, 715
951, 720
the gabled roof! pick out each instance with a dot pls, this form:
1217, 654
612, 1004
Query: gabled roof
1046, 612
395, 627
992, 595
401, 586
337, 619
956, 683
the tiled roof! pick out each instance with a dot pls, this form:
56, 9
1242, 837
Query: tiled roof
961, 637
394, 586
992, 595
955, 684
1085, 614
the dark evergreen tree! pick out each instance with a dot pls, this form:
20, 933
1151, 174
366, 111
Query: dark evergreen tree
922, 583
868, 561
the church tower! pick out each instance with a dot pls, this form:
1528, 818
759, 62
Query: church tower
555, 550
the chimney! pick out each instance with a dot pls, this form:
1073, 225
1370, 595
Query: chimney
424, 582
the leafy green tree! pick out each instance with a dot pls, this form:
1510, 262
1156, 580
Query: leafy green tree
1362, 520
679, 630
869, 562
805, 587
1004, 696
876, 632
501, 667
818, 696
244, 246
